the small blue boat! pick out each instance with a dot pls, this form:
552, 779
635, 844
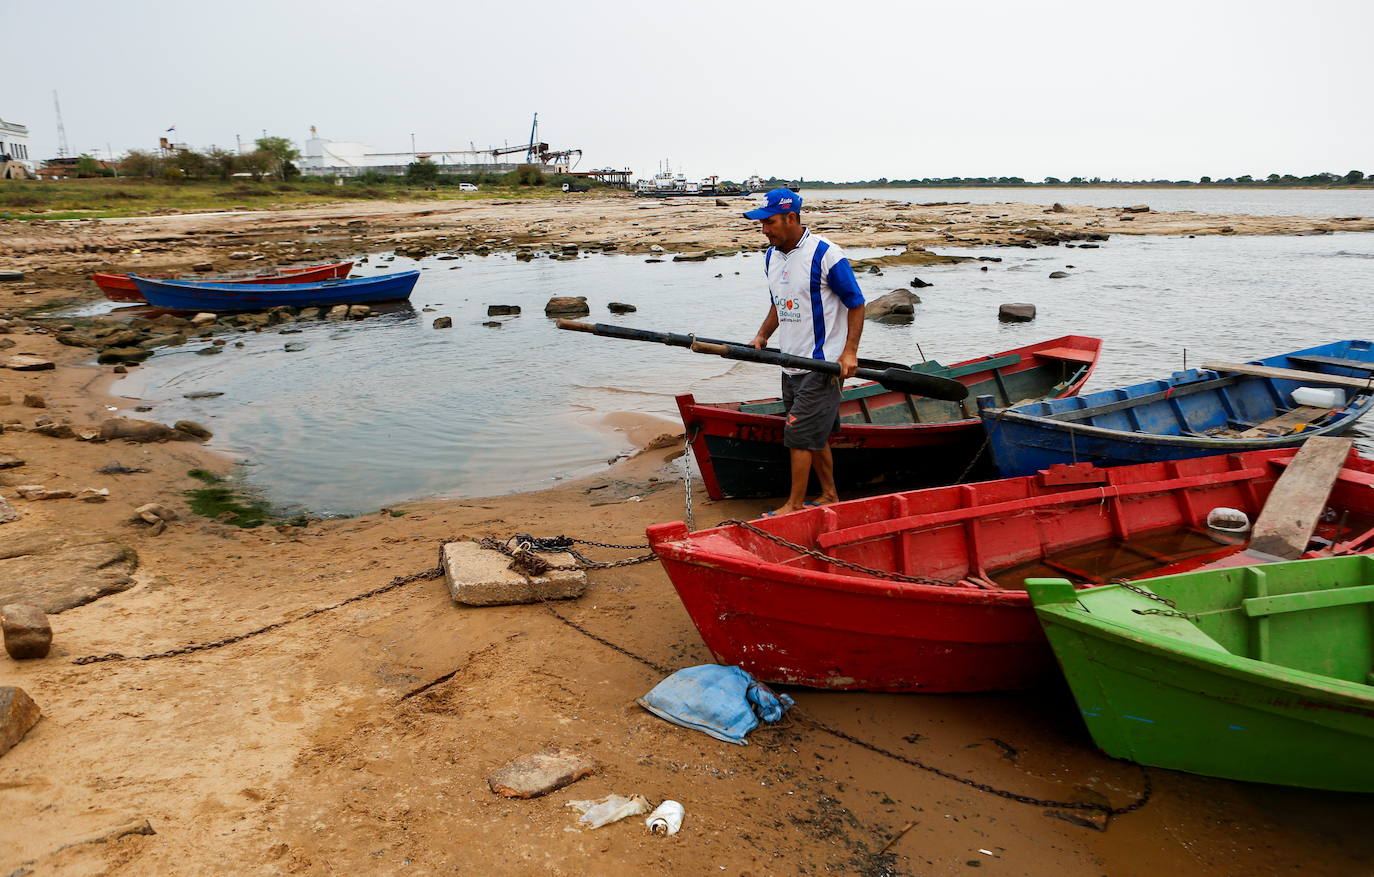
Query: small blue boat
1195, 413
188, 295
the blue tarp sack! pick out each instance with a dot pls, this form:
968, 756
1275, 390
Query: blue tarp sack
724, 702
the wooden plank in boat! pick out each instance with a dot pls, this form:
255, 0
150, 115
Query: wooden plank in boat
1289, 374
1072, 354
1284, 423
1299, 496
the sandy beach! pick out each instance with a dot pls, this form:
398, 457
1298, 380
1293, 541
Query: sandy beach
360, 739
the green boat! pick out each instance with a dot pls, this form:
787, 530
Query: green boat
1250, 673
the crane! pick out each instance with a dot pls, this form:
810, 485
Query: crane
61, 129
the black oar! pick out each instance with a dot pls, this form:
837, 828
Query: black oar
901, 380
672, 339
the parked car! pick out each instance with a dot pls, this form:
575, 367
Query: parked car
467, 187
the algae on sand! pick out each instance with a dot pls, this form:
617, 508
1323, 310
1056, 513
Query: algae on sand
219, 500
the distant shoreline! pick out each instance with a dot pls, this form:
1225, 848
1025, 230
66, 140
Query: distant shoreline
806, 184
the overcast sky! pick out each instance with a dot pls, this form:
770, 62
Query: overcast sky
835, 90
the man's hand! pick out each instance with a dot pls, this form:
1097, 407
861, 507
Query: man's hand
759, 342
849, 364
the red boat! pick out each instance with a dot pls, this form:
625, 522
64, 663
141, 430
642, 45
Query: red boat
793, 618
887, 440
118, 287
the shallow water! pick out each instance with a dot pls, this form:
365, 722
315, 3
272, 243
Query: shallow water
388, 409
1259, 202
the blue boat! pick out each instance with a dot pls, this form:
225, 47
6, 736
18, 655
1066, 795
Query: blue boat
189, 295
1195, 413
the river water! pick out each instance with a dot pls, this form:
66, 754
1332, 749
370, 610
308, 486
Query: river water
1259, 202
375, 412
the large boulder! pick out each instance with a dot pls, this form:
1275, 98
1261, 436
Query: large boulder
59, 568
1019, 312
133, 430
898, 306
27, 362
123, 355
567, 306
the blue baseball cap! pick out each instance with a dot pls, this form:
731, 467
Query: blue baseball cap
780, 200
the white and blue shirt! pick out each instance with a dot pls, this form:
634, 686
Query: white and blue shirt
813, 288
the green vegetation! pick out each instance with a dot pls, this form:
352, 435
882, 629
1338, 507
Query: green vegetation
102, 198
1325, 180
220, 501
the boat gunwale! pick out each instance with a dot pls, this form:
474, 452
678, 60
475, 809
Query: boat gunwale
688, 401
1078, 617
1349, 415
276, 289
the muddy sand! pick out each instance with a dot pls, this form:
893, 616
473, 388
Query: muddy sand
359, 739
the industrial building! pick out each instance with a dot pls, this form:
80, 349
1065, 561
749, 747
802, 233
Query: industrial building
347, 158
14, 151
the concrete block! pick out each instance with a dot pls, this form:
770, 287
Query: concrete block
481, 577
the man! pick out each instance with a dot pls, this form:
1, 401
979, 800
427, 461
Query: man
818, 312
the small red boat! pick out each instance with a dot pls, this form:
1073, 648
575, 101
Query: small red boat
887, 440
794, 618
118, 287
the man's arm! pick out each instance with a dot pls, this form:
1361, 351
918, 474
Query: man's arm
770, 325
845, 285
849, 357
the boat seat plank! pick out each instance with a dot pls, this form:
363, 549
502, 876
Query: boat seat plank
878, 529
1070, 353
1279, 604
1290, 374
1363, 365
1299, 496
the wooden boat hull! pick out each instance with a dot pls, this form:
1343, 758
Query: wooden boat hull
739, 451
119, 287
1165, 420
222, 297
800, 620
1167, 697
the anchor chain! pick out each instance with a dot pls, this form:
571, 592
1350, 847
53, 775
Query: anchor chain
836, 561
399, 581
1173, 610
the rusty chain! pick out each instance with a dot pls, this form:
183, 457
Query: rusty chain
1089, 806
524, 562
399, 581
1173, 611
835, 561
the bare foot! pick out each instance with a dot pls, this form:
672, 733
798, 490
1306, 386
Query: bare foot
786, 509
826, 499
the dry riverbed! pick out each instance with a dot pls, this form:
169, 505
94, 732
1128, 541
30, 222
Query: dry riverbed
360, 739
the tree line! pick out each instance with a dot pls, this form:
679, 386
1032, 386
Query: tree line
272, 157
1325, 178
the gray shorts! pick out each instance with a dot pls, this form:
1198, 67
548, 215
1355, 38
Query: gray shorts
811, 406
